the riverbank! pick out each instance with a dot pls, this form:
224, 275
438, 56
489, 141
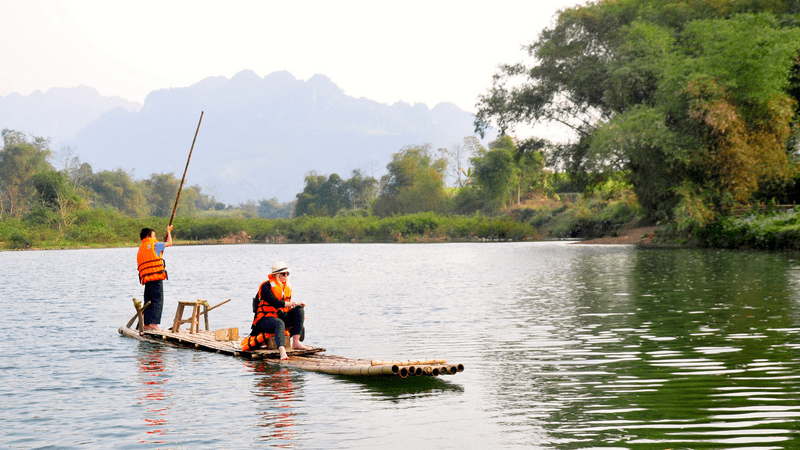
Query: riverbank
593, 222
627, 236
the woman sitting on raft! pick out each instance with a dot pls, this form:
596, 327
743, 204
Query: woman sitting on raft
274, 311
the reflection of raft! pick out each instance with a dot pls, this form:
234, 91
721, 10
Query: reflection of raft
226, 341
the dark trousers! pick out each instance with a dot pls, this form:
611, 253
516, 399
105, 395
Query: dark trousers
293, 320
153, 293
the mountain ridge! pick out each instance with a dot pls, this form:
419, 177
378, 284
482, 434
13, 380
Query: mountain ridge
260, 136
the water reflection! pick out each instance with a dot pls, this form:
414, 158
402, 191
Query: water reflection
397, 389
655, 350
153, 395
275, 390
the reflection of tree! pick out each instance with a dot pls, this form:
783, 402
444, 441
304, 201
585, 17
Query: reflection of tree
153, 379
641, 349
276, 389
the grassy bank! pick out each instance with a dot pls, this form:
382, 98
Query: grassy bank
107, 229
543, 217
771, 230
565, 216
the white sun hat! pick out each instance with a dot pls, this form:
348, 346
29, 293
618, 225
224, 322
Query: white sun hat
279, 267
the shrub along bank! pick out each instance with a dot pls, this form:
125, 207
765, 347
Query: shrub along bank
771, 230
105, 228
568, 216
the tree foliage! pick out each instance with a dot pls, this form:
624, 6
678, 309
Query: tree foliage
321, 196
692, 98
495, 173
273, 209
117, 190
502, 175
329, 196
20, 160
414, 183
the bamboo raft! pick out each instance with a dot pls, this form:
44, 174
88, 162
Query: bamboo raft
223, 341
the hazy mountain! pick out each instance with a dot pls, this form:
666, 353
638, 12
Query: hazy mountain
58, 113
259, 136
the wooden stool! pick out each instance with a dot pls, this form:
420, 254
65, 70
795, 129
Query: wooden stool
193, 319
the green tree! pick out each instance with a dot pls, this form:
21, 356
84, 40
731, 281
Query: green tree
116, 189
360, 189
57, 198
273, 209
529, 157
160, 190
328, 196
526, 166
415, 183
495, 174
20, 160
691, 98
321, 196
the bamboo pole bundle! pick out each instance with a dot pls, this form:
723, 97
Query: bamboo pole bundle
346, 369
349, 366
380, 362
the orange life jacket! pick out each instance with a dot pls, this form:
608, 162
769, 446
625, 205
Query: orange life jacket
151, 266
281, 293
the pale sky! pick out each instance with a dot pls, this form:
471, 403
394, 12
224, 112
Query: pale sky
414, 51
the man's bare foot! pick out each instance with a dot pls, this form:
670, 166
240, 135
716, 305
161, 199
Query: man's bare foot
296, 343
282, 351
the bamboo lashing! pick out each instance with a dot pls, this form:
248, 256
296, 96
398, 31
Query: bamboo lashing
136, 304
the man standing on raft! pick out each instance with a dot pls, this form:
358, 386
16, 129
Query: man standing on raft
275, 311
152, 273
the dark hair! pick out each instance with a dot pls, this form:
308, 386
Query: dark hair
145, 233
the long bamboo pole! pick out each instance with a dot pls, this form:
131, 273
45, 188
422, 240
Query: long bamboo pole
174, 208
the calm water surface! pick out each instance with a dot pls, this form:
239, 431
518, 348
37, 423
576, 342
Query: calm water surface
565, 346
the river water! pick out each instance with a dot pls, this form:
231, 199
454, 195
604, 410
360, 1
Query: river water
565, 346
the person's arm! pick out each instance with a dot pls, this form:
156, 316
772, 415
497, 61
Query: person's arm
269, 297
168, 240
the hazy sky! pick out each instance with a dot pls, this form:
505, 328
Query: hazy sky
414, 51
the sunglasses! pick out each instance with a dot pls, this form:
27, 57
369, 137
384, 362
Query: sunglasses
283, 274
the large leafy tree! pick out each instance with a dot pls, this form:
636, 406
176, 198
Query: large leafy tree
20, 159
328, 196
361, 190
414, 183
118, 190
160, 190
692, 98
322, 196
58, 200
495, 172
273, 209
502, 175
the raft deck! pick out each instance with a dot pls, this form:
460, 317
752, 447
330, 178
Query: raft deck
309, 359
